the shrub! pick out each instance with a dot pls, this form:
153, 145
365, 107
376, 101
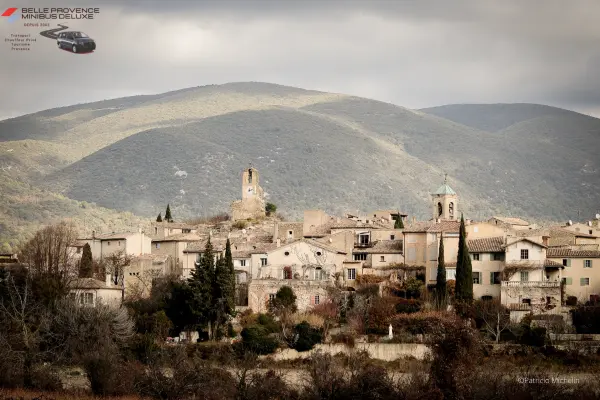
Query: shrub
108, 375
240, 224
420, 322
306, 337
571, 301
256, 339
268, 322
344, 338
43, 378
408, 306
247, 318
270, 208
380, 314
586, 319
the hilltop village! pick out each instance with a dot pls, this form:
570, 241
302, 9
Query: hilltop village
531, 269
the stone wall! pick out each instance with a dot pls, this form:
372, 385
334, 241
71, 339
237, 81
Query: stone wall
247, 208
379, 351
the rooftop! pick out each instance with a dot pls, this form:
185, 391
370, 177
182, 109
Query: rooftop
444, 189
486, 245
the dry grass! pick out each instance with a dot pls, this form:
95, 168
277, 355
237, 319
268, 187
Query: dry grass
22, 394
313, 320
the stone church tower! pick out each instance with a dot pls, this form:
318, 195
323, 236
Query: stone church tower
252, 204
445, 202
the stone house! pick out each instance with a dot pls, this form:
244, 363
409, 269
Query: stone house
530, 281
131, 243
89, 292
142, 270
174, 246
161, 230
581, 273
487, 262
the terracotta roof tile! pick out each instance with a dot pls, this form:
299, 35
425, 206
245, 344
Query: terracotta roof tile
512, 221
567, 252
486, 245
433, 226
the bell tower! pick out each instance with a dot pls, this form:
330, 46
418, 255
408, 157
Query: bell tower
445, 202
250, 187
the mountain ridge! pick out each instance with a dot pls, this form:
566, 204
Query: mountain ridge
313, 149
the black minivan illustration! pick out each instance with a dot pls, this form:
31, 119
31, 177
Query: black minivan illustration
77, 42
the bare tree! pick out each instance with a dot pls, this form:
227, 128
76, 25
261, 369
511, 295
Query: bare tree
49, 259
495, 317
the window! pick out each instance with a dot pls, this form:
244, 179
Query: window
524, 254
526, 301
498, 257
78, 250
186, 231
495, 278
475, 229
382, 258
108, 243
567, 281
249, 176
584, 282
392, 237
287, 253
524, 276
360, 256
590, 231
157, 245
318, 274
317, 299
319, 254
271, 296
119, 243
587, 263
566, 262
290, 235
439, 209
486, 298
242, 263
450, 274
287, 272
351, 273
451, 210
86, 298
475, 256
263, 262
476, 278
155, 230
363, 239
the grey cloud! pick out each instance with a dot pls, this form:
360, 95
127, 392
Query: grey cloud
411, 53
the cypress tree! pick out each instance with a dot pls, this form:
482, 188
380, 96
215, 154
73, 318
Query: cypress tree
86, 266
201, 283
399, 224
168, 216
159, 218
440, 286
230, 290
464, 271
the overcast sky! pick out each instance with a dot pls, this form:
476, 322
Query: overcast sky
411, 53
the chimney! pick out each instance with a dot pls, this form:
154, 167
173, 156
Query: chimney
93, 234
278, 242
108, 280
414, 219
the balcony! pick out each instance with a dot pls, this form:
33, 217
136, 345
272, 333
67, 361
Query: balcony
363, 244
531, 284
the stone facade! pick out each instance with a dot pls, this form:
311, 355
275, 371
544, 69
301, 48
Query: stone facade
308, 292
252, 205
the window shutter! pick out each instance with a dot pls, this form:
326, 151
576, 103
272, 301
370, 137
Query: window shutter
581, 281
568, 262
569, 281
492, 278
591, 263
